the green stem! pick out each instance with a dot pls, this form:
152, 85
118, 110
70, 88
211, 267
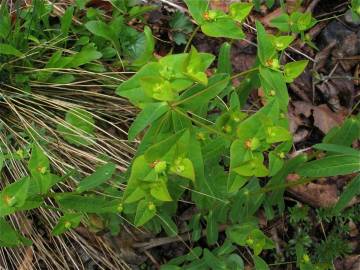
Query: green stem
210, 129
191, 38
213, 85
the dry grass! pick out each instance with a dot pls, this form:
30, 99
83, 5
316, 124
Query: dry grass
27, 117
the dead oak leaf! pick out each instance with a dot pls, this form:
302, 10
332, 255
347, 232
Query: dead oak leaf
325, 119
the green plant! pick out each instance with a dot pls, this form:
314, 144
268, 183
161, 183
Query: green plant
229, 164
355, 9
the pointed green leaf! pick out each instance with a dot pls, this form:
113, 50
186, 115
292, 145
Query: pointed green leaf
87, 204
224, 60
144, 212
160, 191
101, 29
266, 49
339, 149
184, 168
197, 9
293, 69
79, 128
7, 49
223, 27
157, 151
66, 20
260, 264
277, 134
281, 22
150, 113
253, 167
147, 52
67, 222
212, 231
100, 176
330, 166
351, 190
239, 11
11, 238
158, 88
282, 42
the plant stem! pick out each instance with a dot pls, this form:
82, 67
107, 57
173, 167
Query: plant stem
212, 130
213, 85
191, 38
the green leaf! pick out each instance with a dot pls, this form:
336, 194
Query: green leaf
67, 222
160, 191
169, 225
266, 49
223, 27
212, 232
282, 42
199, 95
330, 166
101, 29
158, 150
184, 168
277, 134
253, 167
148, 49
5, 21
344, 135
79, 128
132, 90
351, 190
7, 49
150, 113
197, 9
260, 264
274, 86
100, 176
293, 69
14, 196
87, 204
224, 60
239, 11
144, 213
301, 21
158, 88
239, 233
195, 226
39, 162
281, 22
196, 64
11, 238
339, 149
66, 20
85, 56
212, 261
134, 195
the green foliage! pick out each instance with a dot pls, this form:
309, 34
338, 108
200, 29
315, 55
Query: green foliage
181, 26
229, 164
355, 9
216, 23
79, 127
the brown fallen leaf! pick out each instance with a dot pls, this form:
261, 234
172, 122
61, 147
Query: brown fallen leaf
351, 262
325, 119
313, 194
220, 4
